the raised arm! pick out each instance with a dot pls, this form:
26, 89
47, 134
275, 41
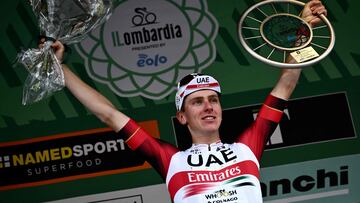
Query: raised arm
89, 97
289, 77
94, 101
286, 83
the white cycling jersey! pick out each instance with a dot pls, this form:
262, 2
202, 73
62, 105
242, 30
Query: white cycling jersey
214, 173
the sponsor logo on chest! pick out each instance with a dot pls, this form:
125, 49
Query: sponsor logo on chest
218, 158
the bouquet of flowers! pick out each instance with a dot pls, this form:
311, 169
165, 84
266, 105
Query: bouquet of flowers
67, 21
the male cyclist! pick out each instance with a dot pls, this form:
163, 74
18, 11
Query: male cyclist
209, 171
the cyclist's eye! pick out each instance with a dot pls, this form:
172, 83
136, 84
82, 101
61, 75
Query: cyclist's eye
214, 100
196, 101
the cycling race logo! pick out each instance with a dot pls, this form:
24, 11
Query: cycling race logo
147, 46
141, 16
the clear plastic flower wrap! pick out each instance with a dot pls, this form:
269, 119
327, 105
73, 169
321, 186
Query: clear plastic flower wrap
67, 21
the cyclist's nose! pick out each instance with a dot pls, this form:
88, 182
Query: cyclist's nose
208, 106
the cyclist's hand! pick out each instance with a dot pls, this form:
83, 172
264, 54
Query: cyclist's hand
312, 10
58, 48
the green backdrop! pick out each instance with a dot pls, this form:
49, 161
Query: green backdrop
244, 80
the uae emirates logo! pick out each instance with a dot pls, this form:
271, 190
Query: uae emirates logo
147, 46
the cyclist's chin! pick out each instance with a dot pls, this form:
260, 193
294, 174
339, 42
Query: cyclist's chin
211, 126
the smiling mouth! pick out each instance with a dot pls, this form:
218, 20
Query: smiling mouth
209, 118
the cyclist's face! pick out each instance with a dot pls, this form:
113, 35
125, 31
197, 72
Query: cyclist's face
202, 112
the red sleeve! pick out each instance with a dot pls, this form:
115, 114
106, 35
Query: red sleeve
155, 151
256, 136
